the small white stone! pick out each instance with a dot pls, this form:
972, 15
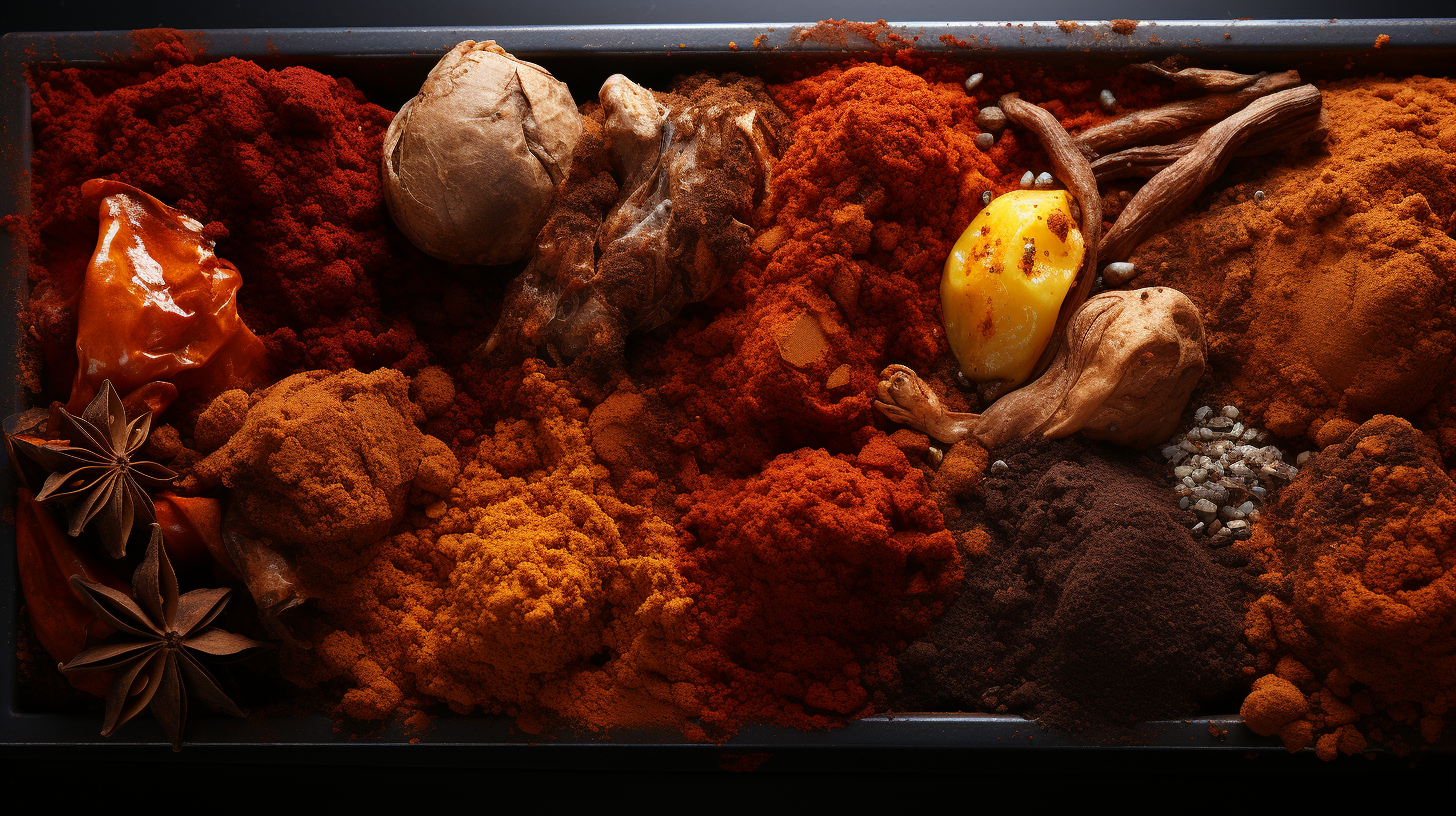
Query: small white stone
1202, 413
1026, 180
987, 197
973, 81
1045, 181
1107, 101
1199, 476
1182, 470
1118, 269
1231, 412
1258, 195
999, 465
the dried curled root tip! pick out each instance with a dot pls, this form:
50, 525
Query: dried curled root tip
909, 400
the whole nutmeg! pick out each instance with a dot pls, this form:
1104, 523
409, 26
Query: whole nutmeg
470, 164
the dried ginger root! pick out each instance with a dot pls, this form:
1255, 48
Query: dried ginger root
1123, 372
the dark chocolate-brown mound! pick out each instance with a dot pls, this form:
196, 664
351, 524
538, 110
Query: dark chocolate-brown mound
1092, 605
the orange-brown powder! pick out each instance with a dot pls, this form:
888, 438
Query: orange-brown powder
1359, 615
1332, 299
533, 590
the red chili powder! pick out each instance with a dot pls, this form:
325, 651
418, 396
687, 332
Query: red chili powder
281, 166
810, 577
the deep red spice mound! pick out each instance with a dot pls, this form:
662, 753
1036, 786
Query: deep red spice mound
281, 165
810, 577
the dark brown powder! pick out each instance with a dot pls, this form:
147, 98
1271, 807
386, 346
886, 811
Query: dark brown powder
1092, 605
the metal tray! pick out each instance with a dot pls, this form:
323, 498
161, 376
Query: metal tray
388, 64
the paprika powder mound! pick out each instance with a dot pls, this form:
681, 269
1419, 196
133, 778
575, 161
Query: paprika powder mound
1359, 570
1091, 607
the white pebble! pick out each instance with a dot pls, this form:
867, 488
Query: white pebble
1118, 269
987, 197
973, 81
1045, 181
999, 465
1026, 180
1205, 507
1199, 476
1258, 195
1202, 413
1107, 101
1182, 470
1245, 508
1231, 412
1197, 528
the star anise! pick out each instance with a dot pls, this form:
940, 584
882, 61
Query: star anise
93, 471
152, 657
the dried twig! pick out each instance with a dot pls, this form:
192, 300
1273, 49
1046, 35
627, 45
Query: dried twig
1176, 186
1205, 79
1147, 161
1144, 126
1073, 169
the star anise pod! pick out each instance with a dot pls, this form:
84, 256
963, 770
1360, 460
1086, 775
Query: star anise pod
93, 471
152, 657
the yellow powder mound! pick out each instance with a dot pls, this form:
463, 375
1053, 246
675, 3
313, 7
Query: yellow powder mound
1333, 299
533, 590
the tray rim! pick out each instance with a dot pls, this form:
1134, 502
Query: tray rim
935, 730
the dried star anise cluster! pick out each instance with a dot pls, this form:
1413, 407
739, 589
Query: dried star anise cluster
152, 658
94, 472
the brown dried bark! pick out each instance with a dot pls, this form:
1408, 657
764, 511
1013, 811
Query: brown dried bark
1144, 126
1175, 187
1073, 170
1205, 79
1147, 161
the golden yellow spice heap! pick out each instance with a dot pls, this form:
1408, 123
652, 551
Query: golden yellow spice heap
532, 590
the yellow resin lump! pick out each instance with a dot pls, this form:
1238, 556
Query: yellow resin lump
1004, 283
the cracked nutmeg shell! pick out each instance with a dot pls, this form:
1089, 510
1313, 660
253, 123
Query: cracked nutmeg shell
471, 163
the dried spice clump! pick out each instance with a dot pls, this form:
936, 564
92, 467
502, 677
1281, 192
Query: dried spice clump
1359, 561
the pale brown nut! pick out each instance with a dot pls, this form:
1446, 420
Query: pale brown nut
1123, 372
1175, 187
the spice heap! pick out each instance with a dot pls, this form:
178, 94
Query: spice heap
810, 576
532, 590
1329, 297
1357, 631
1087, 604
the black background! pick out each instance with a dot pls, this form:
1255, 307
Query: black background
68, 779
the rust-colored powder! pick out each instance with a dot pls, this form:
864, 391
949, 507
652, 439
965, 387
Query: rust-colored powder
1332, 299
1359, 560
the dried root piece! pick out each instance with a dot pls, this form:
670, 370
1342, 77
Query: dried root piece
1154, 124
1147, 161
1175, 187
1204, 79
1073, 170
1123, 372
